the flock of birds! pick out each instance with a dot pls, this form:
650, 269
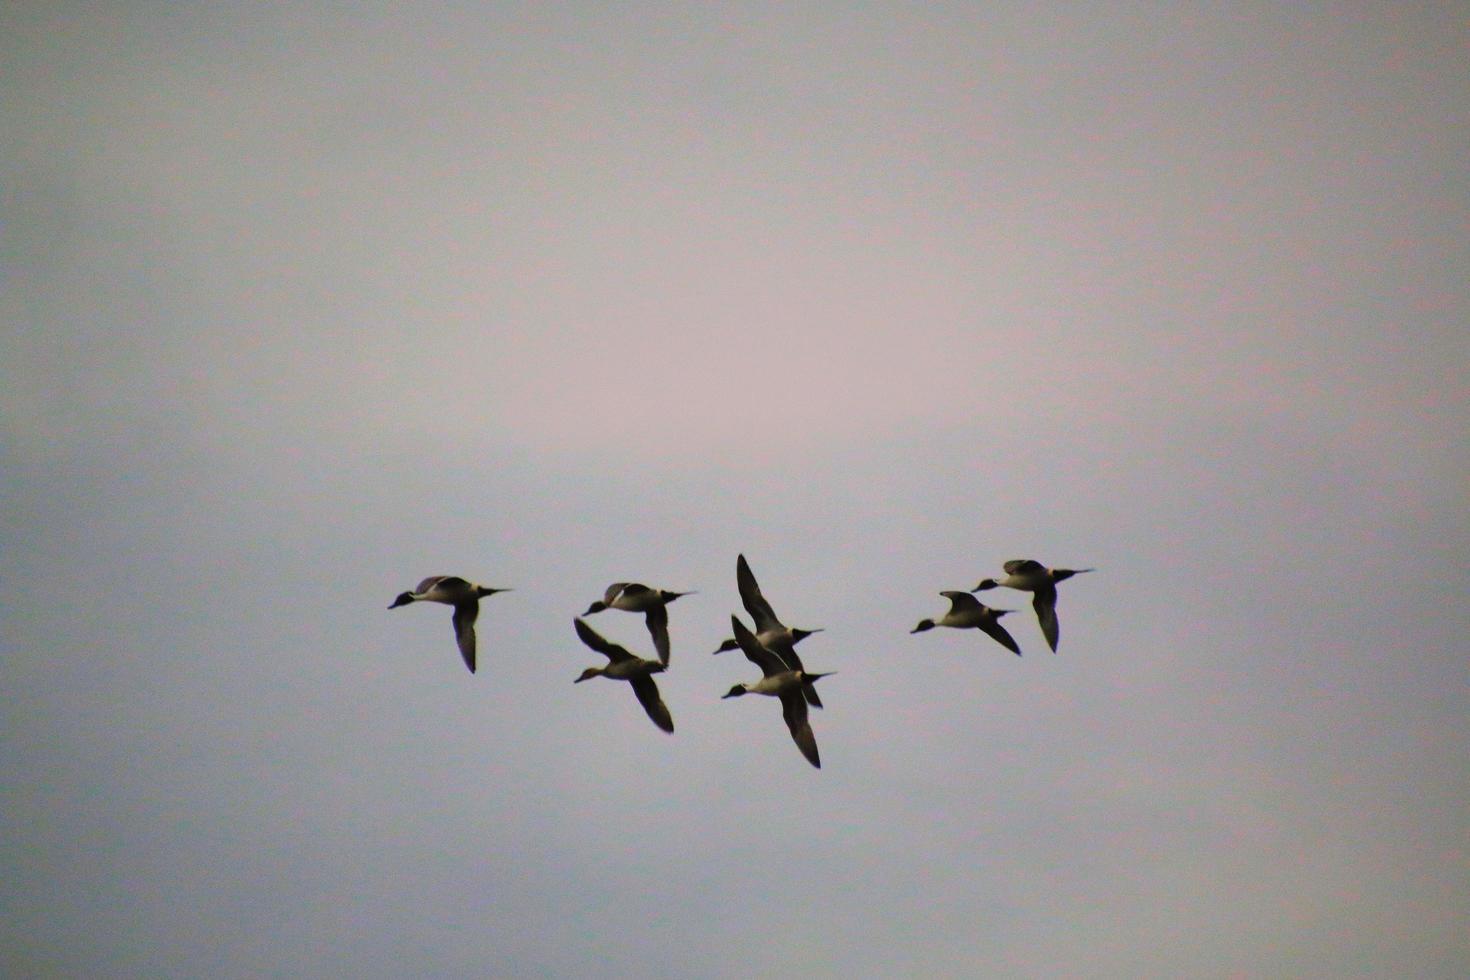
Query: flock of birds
771, 647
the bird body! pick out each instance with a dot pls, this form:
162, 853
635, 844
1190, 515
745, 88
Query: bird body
780, 641
464, 596
773, 685
967, 612
633, 597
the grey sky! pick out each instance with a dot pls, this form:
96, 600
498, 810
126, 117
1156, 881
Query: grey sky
301, 304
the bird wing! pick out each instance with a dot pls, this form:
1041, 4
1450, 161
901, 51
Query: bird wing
997, 632
1023, 566
630, 589
430, 582
768, 662
593, 639
793, 709
647, 692
464, 630
1045, 604
961, 601
657, 619
755, 603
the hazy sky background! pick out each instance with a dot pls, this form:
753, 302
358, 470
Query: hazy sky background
304, 302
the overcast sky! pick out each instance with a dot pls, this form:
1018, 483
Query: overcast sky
304, 302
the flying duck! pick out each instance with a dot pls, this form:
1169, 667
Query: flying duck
967, 612
653, 603
1034, 577
464, 596
623, 666
781, 682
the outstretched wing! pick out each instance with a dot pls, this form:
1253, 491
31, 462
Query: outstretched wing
1045, 604
657, 619
647, 692
1023, 566
768, 662
755, 603
998, 633
594, 640
464, 630
793, 709
961, 602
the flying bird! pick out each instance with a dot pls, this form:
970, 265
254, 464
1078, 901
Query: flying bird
1034, 577
769, 631
967, 612
781, 682
624, 666
464, 596
653, 603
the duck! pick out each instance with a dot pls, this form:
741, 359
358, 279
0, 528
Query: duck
653, 603
769, 631
779, 681
460, 593
1032, 576
967, 612
624, 666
